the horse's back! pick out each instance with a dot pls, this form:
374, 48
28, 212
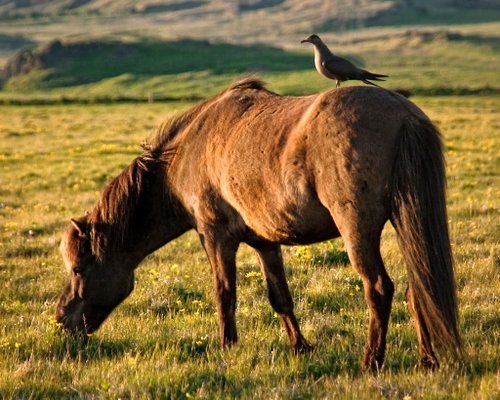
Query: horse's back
287, 144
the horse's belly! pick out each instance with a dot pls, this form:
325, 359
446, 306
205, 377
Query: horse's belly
310, 223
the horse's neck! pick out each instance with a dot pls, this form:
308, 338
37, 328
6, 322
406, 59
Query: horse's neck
159, 221
142, 220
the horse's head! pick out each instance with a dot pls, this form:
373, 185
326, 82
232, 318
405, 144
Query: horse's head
95, 286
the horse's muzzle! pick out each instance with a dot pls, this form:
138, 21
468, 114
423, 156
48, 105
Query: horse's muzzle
71, 318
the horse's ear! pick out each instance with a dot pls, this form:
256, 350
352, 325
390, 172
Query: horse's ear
79, 226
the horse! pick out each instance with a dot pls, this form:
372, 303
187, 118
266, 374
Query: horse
251, 166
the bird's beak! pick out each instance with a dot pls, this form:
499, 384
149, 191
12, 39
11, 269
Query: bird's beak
304, 40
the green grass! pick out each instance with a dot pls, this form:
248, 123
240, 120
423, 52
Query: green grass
163, 341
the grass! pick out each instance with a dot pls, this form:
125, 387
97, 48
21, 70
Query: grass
163, 341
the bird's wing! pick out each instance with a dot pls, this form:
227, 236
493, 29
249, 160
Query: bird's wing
341, 67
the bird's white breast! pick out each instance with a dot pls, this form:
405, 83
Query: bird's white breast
319, 67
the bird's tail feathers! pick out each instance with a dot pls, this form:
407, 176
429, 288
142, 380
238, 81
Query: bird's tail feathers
373, 76
371, 83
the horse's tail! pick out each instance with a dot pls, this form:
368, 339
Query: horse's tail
420, 219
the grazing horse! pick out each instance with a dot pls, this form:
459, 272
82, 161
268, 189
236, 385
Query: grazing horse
251, 166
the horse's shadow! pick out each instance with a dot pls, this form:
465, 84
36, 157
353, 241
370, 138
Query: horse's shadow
89, 348
93, 348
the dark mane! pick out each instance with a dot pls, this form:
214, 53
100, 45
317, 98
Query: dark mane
111, 217
250, 82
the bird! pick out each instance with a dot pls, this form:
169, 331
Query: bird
338, 68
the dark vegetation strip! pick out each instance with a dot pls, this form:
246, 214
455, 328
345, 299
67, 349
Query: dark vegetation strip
434, 91
96, 100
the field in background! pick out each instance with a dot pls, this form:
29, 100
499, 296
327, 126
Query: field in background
431, 61
171, 50
163, 340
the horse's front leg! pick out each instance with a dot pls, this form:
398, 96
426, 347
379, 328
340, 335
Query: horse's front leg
271, 262
221, 253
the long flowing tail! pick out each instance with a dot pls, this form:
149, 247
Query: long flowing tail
420, 219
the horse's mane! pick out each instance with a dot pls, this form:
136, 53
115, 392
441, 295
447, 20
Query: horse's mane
250, 82
111, 217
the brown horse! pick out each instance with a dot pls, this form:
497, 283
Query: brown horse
250, 166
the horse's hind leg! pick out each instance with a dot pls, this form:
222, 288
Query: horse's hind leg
364, 253
428, 359
361, 233
222, 257
271, 262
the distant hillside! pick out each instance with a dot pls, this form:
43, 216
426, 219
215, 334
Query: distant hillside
325, 14
138, 68
68, 63
275, 23
100, 50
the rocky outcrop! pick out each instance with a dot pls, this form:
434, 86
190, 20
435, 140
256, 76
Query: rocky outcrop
26, 60
56, 53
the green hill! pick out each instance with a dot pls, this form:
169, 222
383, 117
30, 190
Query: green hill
108, 69
60, 64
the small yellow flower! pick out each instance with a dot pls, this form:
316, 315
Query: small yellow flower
252, 274
131, 360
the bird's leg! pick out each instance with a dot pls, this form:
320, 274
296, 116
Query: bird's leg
337, 84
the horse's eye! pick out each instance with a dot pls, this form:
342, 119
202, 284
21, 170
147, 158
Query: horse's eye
77, 270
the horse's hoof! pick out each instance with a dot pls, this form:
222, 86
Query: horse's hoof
429, 363
302, 347
227, 343
371, 365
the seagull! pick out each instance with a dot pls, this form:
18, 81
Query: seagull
338, 68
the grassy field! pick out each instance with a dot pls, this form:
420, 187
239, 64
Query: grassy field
163, 341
